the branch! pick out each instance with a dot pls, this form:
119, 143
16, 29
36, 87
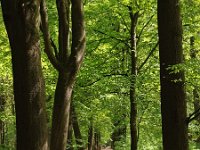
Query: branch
78, 38
193, 116
46, 35
63, 37
106, 75
145, 61
54, 47
112, 37
140, 34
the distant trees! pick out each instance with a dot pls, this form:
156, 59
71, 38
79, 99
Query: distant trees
116, 100
173, 100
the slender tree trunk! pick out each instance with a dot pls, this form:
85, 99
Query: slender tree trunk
21, 19
133, 103
76, 128
90, 136
173, 102
97, 145
2, 124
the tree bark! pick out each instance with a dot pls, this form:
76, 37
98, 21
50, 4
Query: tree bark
133, 103
21, 19
173, 102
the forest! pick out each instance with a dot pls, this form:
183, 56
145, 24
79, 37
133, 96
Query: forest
99, 75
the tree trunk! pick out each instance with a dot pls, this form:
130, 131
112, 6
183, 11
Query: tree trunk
60, 122
70, 65
2, 124
97, 145
21, 19
173, 102
90, 136
77, 132
133, 103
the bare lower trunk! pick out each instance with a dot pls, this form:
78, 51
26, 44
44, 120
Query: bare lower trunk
61, 112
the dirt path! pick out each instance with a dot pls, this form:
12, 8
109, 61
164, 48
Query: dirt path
107, 148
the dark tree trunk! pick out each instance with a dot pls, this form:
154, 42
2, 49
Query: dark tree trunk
2, 124
21, 19
97, 137
173, 102
61, 111
90, 136
133, 103
76, 128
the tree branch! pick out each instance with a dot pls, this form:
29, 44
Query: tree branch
193, 116
105, 75
46, 35
63, 37
78, 38
112, 37
150, 53
140, 34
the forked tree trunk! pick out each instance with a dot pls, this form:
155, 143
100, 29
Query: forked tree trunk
173, 102
21, 19
67, 64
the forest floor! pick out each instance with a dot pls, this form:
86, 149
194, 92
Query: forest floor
107, 148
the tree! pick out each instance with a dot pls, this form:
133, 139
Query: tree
21, 19
173, 101
133, 103
66, 61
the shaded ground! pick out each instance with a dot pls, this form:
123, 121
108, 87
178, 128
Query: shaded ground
107, 148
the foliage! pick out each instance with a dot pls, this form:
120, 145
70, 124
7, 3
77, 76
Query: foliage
101, 92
